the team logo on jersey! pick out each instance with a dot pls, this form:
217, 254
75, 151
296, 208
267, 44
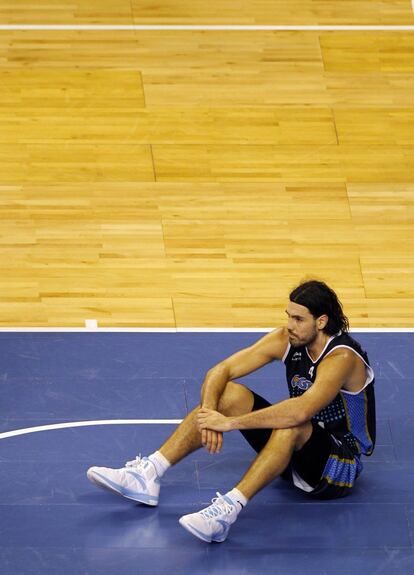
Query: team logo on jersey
297, 355
300, 382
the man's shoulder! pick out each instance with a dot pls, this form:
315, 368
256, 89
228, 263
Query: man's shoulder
276, 342
344, 341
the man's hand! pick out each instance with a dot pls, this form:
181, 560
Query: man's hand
212, 440
212, 420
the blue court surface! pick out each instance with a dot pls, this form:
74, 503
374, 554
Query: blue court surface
53, 521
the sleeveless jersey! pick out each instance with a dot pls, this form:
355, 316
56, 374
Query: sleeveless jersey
350, 417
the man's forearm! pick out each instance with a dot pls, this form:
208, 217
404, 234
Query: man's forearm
288, 413
213, 387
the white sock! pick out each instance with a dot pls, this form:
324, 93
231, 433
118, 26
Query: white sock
161, 464
238, 499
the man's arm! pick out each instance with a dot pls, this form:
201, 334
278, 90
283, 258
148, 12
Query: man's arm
333, 373
270, 347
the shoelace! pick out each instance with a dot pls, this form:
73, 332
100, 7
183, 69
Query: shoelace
137, 462
218, 507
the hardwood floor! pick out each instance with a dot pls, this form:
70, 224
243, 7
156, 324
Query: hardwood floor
192, 178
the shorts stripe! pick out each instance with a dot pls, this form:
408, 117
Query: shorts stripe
341, 471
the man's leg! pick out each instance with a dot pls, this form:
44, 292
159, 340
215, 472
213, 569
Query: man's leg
274, 458
213, 523
236, 400
139, 480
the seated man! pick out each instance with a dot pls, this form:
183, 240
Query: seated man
315, 438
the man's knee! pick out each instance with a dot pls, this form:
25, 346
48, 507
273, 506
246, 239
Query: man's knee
297, 435
236, 399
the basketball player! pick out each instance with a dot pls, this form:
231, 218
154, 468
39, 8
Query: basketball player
315, 438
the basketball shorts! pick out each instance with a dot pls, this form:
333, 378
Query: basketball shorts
325, 467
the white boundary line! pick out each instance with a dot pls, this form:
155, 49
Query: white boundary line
208, 27
71, 424
183, 330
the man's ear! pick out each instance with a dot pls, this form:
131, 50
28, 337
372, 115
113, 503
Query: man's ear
322, 321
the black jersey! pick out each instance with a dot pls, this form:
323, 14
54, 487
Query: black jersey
350, 416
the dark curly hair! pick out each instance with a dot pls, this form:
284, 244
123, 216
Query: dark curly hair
321, 300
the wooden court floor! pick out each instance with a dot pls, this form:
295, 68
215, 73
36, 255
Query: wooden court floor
192, 178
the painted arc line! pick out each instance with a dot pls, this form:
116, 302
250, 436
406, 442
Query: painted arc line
71, 424
208, 27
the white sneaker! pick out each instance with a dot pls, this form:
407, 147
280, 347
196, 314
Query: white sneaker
213, 522
138, 480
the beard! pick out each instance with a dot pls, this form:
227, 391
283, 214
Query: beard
296, 342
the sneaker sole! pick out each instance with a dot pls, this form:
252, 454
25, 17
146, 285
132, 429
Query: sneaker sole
188, 527
99, 482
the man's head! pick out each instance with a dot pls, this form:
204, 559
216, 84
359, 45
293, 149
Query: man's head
314, 309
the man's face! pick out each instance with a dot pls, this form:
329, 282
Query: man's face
301, 325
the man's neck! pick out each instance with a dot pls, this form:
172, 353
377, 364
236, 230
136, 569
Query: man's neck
316, 347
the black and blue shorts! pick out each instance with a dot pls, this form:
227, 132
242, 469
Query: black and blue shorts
324, 463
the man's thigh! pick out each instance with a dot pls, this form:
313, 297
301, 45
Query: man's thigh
328, 468
257, 438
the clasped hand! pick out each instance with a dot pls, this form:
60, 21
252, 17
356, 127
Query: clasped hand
211, 424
